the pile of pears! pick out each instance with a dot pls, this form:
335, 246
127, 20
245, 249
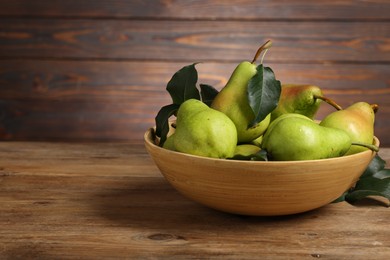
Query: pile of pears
223, 129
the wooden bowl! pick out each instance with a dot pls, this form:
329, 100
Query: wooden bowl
255, 187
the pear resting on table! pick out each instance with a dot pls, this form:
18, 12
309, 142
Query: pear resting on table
289, 131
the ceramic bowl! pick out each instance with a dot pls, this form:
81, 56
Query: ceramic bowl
258, 188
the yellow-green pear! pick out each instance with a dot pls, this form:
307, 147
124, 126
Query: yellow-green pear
258, 141
291, 138
357, 120
246, 149
232, 100
282, 117
168, 144
300, 99
204, 131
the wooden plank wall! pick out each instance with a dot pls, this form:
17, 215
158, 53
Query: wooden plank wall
97, 70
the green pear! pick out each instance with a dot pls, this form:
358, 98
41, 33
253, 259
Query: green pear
357, 120
273, 123
204, 131
169, 144
249, 152
300, 99
232, 100
295, 137
257, 141
246, 149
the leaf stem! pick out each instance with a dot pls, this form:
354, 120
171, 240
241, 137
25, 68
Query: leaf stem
329, 101
372, 147
265, 46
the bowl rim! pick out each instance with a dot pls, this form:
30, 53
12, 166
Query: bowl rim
148, 139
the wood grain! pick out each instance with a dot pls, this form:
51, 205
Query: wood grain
75, 100
99, 201
194, 41
96, 70
204, 9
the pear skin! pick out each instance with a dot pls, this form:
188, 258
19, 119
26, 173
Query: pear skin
232, 100
169, 144
299, 99
246, 149
299, 138
357, 120
204, 131
258, 141
273, 123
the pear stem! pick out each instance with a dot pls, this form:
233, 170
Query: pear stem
265, 47
262, 57
372, 147
329, 101
375, 107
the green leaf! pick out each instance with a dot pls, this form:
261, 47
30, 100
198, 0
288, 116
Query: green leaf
182, 85
259, 156
263, 93
162, 121
208, 93
341, 198
369, 186
377, 164
382, 174
375, 181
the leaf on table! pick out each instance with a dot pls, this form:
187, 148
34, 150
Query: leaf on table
341, 198
377, 164
182, 85
162, 121
374, 182
263, 93
370, 186
385, 173
208, 93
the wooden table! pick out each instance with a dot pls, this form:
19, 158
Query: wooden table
108, 200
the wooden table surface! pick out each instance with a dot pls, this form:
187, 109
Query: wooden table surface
108, 200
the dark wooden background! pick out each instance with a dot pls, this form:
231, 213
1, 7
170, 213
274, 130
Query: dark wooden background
97, 70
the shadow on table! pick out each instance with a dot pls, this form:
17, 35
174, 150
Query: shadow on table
154, 204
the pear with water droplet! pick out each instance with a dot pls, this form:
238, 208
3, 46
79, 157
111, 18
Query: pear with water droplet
204, 131
357, 120
294, 137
